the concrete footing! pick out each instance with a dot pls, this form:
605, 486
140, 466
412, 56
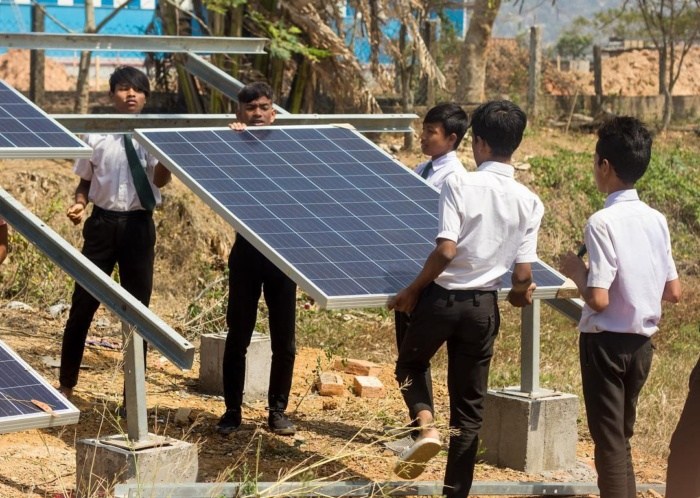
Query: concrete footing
530, 432
103, 463
257, 368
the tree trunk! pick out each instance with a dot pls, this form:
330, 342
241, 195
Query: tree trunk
472, 70
83, 89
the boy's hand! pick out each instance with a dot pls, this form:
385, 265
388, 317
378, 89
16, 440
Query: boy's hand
237, 126
573, 267
75, 212
522, 299
404, 301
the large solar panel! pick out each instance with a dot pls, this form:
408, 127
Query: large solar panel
27, 132
348, 223
27, 401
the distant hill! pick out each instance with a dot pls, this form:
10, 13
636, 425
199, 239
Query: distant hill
513, 20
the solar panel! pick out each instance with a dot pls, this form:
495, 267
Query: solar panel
27, 132
27, 401
348, 223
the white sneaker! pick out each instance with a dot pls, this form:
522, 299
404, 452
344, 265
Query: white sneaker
412, 460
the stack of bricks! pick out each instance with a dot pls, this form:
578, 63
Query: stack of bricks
365, 381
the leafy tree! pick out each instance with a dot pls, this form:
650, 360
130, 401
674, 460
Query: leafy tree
573, 44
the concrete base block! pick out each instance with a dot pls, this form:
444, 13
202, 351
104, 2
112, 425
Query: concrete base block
257, 368
103, 463
530, 433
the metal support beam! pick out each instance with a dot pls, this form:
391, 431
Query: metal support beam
134, 384
134, 43
124, 123
570, 308
217, 78
96, 282
530, 348
355, 489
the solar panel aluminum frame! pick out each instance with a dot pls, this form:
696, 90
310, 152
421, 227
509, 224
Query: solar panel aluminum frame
112, 295
48, 152
322, 299
319, 297
40, 419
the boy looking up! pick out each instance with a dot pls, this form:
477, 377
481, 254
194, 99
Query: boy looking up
487, 222
630, 271
250, 274
122, 181
444, 127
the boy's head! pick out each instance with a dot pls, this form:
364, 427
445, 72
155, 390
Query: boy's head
255, 104
625, 143
129, 88
444, 127
500, 124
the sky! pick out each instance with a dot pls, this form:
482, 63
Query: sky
513, 20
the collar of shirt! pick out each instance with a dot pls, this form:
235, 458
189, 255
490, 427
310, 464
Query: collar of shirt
622, 196
443, 160
498, 168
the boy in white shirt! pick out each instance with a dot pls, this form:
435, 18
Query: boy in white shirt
630, 271
487, 222
122, 180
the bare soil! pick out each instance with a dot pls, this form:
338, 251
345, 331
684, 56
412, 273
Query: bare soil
344, 432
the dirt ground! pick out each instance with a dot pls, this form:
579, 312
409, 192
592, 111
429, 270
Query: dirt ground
341, 435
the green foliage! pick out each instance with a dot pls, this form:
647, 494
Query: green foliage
286, 40
223, 6
573, 45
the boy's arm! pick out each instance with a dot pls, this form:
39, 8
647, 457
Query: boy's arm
437, 261
672, 291
76, 211
522, 286
573, 267
3, 242
161, 176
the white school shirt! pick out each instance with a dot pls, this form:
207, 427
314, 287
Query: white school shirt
629, 253
493, 219
107, 170
443, 167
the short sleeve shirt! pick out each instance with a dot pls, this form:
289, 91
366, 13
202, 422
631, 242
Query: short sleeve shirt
107, 170
494, 221
443, 167
629, 254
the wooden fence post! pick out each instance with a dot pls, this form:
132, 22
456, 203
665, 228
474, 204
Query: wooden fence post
534, 72
597, 78
37, 59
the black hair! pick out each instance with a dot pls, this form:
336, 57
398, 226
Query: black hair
501, 124
253, 91
626, 143
452, 118
128, 75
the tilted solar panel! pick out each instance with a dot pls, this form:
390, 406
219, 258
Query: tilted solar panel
27, 401
348, 223
27, 132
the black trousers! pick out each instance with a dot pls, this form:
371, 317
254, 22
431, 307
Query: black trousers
110, 238
250, 274
614, 368
468, 321
683, 473
401, 323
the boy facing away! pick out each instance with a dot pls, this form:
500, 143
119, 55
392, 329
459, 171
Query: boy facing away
122, 181
630, 271
250, 275
444, 127
487, 222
